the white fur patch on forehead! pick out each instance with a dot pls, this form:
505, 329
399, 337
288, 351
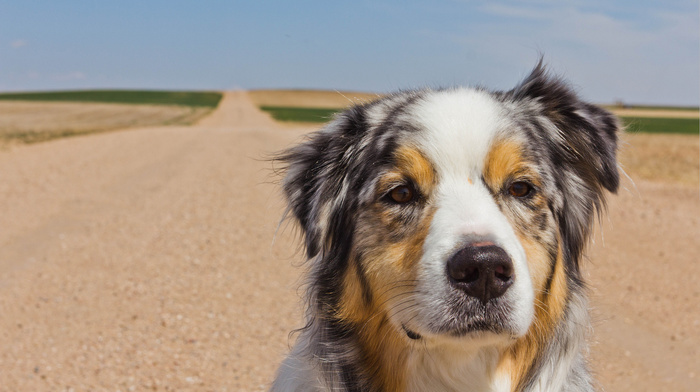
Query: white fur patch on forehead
458, 128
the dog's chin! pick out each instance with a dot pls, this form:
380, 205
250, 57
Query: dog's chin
475, 330
476, 322
468, 337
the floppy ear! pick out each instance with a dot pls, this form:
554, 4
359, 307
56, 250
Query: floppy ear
589, 132
580, 142
315, 174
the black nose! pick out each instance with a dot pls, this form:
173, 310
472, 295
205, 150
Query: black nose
483, 271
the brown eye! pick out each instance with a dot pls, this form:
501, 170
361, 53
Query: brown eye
401, 194
520, 189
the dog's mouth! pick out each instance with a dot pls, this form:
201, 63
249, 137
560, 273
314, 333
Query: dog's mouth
411, 335
458, 331
459, 328
464, 319
475, 328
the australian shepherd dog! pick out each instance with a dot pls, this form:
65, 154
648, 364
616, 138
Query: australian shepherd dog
444, 231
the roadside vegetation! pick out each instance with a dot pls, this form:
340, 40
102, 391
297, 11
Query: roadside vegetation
687, 126
303, 115
41, 116
139, 97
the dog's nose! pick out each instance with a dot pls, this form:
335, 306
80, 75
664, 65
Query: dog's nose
483, 271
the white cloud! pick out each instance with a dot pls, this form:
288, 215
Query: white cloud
651, 57
18, 43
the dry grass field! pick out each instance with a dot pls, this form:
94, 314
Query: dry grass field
29, 121
151, 259
661, 158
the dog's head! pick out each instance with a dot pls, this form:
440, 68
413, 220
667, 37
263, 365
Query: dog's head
452, 214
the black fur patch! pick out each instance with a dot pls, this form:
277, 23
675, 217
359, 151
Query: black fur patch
580, 141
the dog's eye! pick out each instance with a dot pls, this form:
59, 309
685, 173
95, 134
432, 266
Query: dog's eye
520, 189
402, 194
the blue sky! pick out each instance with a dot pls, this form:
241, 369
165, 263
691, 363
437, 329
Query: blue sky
639, 51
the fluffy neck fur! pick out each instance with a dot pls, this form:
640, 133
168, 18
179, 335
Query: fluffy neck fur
379, 357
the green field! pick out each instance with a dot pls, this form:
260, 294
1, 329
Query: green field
688, 126
633, 124
292, 114
185, 98
652, 107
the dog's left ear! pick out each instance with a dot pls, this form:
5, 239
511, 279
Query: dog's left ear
588, 133
580, 141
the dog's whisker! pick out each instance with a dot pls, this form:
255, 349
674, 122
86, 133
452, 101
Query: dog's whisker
383, 313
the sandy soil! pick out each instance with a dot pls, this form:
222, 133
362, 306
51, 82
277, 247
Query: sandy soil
147, 260
40, 120
663, 113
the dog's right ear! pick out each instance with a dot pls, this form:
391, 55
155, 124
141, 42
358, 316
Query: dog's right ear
314, 175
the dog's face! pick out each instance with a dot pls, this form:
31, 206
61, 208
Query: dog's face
452, 214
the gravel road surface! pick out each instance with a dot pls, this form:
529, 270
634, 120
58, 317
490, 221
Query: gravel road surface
150, 259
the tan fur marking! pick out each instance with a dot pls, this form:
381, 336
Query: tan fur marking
390, 270
504, 162
555, 300
352, 307
538, 261
385, 352
384, 347
549, 308
504, 159
413, 164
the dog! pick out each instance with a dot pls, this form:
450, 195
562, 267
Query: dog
444, 231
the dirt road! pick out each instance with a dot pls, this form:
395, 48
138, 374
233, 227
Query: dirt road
147, 260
